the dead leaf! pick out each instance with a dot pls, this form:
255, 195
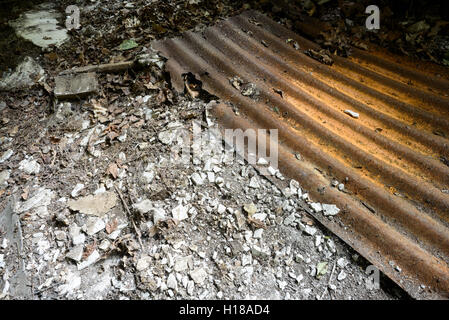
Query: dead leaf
89, 249
113, 170
111, 226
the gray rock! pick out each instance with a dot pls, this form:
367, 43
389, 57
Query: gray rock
41, 26
6, 155
76, 253
25, 75
4, 176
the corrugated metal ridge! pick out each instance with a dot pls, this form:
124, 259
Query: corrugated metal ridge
390, 154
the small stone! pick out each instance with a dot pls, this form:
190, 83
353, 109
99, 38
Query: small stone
172, 283
247, 259
60, 235
4, 176
309, 230
219, 181
76, 235
262, 162
198, 275
342, 275
158, 215
258, 233
180, 212
221, 209
77, 189
76, 253
254, 183
143, 206
148, 176
211, 176
190, 287
97, 205
94, 225
182, 263
330, 209
341, 187
316, 206
342, 262
250, 209
143, 264
6, 155
30, 166
196, 178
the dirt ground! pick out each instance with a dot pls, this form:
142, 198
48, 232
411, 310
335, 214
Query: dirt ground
92, 208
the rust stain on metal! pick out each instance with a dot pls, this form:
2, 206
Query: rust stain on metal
396, 208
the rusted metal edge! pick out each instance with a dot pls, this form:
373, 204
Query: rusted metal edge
412, 230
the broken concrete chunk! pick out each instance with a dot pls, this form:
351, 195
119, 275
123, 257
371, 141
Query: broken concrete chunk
316, 206
198, 275
94, 225
77, 189
76, 253
158, 215
143, 206
97, 205
30, 166
330, 209
41, 198
180, 212
75, 85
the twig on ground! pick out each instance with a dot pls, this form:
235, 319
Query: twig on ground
130, 216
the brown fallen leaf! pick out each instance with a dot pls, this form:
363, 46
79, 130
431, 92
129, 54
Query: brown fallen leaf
256, 223
111, 226
89, 249
113, 170
24, 194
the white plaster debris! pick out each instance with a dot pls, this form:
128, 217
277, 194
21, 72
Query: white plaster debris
352, 114
330, 209
180, 212
77, 189
30, 166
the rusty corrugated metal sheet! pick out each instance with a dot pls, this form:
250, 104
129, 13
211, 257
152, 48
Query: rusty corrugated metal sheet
395, 211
